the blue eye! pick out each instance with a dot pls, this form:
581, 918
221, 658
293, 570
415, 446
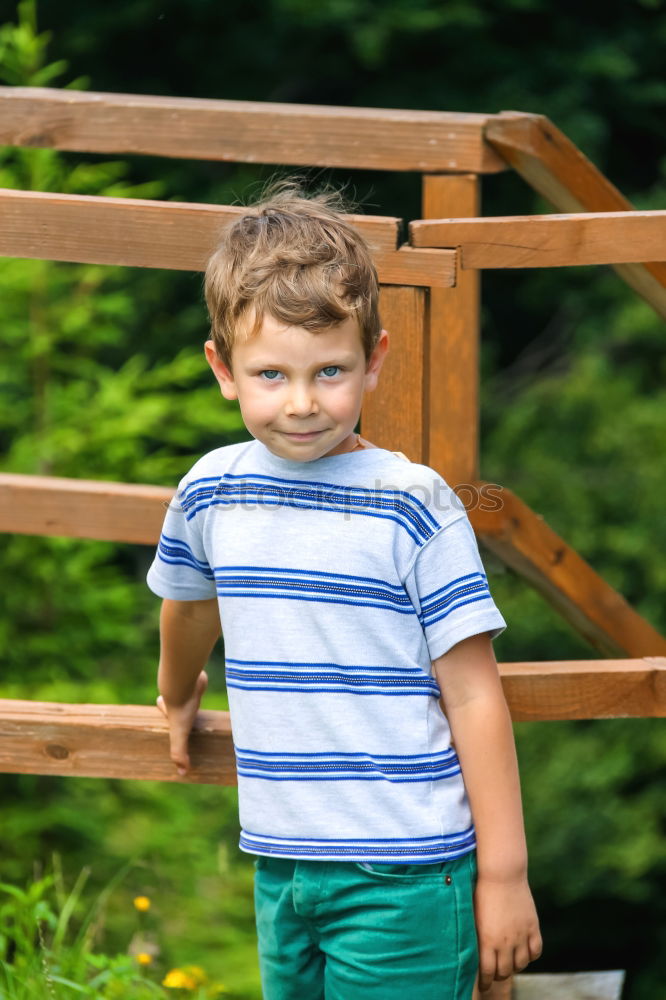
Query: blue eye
331, 369
269, 373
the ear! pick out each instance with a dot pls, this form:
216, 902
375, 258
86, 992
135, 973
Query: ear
375, 361
221, 372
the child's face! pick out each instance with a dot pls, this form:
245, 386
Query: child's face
300, 393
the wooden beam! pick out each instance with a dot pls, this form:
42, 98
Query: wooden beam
110, 741
547, 240
557, 169
453, 345
395, 415
124, 512
522, 540
246, 131
409, 266
139, 233
586, 689
82, 508
131, 741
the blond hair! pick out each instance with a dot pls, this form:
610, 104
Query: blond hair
297, 259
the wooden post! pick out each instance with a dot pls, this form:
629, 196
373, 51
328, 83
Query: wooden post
395, 415
452, 364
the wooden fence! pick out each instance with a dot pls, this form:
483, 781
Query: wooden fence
427, 401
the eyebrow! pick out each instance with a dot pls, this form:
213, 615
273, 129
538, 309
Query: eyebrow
342, 359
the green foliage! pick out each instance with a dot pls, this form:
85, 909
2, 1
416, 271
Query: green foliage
43, 953
23, 51
594, 468
50, 947
78, 399
102, 376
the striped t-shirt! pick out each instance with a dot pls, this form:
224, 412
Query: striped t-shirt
339, 581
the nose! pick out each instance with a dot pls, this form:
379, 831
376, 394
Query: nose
301, 401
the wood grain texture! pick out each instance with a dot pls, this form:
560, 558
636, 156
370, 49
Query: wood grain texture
522, 540
557, 169
547, 241
586, 689
452, 366
394, 416
82, 508
181, 236
246, 131
131, 741
110, 741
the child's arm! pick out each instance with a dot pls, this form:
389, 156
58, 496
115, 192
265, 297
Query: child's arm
506, 920
188, 632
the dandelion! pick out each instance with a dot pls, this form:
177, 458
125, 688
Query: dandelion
142, 903
143, 958
196, 973
178, 979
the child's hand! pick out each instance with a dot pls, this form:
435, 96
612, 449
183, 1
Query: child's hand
507, 928
181, 718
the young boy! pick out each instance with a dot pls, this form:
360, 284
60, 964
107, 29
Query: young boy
349, 588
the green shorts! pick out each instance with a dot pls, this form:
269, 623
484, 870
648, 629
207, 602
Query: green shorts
338, 930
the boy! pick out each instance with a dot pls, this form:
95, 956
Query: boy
351, 597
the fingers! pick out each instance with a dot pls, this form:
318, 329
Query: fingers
181, 760
178, 738
521, 958
487, 968
496, 965
535, 945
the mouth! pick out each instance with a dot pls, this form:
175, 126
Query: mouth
301, 436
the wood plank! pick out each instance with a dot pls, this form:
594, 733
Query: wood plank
394, 416
547, 241
426, 268
110, 741
82, 508
557, 169
195, 226
131, 741
139, 233
522, 539
123, 512
569, 986
453, 344
586, 689
246, 131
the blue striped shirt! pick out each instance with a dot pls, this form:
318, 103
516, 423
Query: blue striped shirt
339, 581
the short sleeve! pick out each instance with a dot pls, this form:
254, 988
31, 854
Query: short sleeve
449, 589
180, 570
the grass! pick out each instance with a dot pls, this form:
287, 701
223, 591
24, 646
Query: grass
51, 946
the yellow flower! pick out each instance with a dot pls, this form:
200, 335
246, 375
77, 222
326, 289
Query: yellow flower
142, 903
195, 972
177, 979
143, 958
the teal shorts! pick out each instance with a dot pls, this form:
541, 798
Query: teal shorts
345, 930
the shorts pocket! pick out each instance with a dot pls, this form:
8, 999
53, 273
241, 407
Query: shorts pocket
405, 873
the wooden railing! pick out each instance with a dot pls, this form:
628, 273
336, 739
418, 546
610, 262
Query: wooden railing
427, 401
